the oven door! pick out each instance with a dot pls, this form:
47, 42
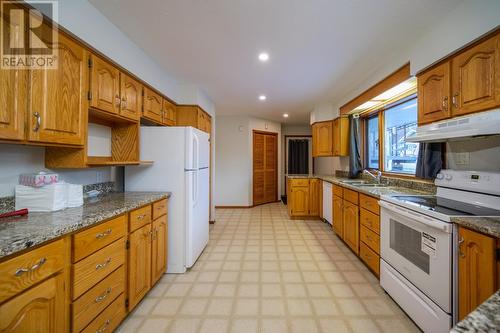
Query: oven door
419, 248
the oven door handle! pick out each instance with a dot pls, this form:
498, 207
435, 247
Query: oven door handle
434, 223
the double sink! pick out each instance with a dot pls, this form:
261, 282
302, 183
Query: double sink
370, 186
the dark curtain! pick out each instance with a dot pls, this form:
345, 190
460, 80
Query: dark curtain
298, 156
429, 160
355, 165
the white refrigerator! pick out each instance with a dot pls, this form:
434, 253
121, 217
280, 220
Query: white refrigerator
181, 166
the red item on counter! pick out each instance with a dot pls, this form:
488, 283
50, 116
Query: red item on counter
19, 212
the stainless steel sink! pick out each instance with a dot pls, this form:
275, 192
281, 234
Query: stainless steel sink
371, 185
353, 182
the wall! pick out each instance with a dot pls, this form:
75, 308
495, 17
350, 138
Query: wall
233, 178
482, 154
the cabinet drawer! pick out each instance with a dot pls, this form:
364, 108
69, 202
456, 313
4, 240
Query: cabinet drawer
93, 239
371, 259
370, 220
97, 299
94, 268
351, 196
109, 319
369, 203
338, 191
299, 182
140, 217
21, 272
159, 208
370, 238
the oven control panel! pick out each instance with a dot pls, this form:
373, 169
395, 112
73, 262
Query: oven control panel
477, 181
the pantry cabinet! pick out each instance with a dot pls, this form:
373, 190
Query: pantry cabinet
322, 139
477, 265
153, 106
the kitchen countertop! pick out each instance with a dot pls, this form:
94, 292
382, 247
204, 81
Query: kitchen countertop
485, 318
486, 225
375, 192
20, 233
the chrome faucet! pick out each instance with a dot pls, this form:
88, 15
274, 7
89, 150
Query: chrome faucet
377, 177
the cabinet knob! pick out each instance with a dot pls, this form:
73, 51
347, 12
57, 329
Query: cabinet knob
445, 103
454, 100
38, 119
124, 103
117, 101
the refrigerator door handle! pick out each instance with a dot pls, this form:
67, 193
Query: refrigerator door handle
196, 152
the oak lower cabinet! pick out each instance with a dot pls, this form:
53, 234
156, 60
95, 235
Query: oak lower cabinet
299, 200
139, 260
477, 270
315, 197
369, 232
304, 197
338, 215
322, 138
159, 249
350, 229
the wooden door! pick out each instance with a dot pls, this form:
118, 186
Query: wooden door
338, 220
323, 139
351, 225
153, 105
58, 97
265, 167
299, 201
168, 113
104, 85
139, 264
315, 189
159, 249
13, 94
475, 78
131, 97
41, 309
433, 89
476, 270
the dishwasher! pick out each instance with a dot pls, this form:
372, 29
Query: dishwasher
327, 202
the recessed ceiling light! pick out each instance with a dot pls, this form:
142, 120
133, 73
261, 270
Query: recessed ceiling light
285, 115
263, 56
262, 97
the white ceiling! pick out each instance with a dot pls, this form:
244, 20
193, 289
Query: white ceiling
320, 49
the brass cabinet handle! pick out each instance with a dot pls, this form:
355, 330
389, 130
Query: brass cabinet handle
103, 234
124, 103
102, 297
104, 326
117, 100
445, 103
454, 100
38, 118
140, 217
21, 271
104, 264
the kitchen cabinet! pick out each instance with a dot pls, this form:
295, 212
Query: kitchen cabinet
299, 200
341, 136
104, 85
315, 197
477, 275
139, 264
57, 97
338, 216
350, 219
152, 106
131, 97
304, 197
192, 115
159, 249
169, 113
322, 139
433, 89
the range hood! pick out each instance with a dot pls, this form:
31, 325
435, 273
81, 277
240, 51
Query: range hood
478, 124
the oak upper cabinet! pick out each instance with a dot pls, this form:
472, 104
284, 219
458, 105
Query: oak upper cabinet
57, 107
169, 113
433, 89
475, 78
351, 225
315, 194
159, 249
104, 85
192, 115
40, 309
139, 264
477, 276
322, 138
299, 200
341, 136
153, 105
131, 97
338, 216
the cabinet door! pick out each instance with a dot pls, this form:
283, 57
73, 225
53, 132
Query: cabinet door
159, 249
153, 104
338, 220
104, 85
139, 265
40, 309
201, 121
314, 196
300, 200
351, 226
169, 113
131, 97
13, 96
433, 89
340, 137
323, 139
476, 270
57, 97
475, 78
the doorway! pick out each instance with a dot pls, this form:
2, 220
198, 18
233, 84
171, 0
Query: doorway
265, 167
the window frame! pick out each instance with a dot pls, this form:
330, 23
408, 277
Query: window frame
381, 136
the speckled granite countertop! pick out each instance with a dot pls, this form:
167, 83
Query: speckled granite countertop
486, 225
20, 233
376, 192
486, 318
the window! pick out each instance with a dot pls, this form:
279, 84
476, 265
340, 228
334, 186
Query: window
372, 148
399, 120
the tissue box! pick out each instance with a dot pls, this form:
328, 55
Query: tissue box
38, 179
41, 199
74, 195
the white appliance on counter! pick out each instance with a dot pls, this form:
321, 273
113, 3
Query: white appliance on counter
181, 166
327, 202
419, 246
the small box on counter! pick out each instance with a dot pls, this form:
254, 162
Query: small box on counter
41, 199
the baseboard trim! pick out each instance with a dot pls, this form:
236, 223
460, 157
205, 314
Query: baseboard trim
233, 207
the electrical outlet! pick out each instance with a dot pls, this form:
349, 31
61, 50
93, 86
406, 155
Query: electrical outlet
462, 159
99, 176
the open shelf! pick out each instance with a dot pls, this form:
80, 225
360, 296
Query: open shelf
96, 161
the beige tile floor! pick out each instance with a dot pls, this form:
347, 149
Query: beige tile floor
262, 272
